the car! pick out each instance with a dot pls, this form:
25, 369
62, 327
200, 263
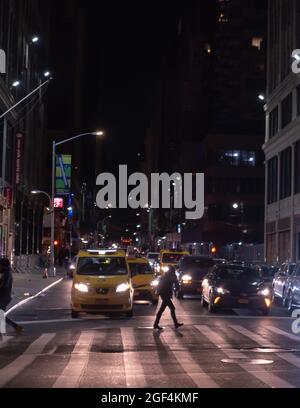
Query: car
267, 273
169, 257
234, 287
191, 272
101, 283
152, 258
292, 297
280, 282
143, 280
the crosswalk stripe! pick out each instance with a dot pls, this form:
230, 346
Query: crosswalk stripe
134, 372
283, 333
292, 359
24, 360
74, 370
260, 373
192, 369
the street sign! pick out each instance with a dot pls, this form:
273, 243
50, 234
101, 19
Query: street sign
63, 174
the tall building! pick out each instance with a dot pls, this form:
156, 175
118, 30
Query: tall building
24, 28
282, 145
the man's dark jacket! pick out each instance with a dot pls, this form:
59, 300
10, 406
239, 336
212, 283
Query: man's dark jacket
166, 285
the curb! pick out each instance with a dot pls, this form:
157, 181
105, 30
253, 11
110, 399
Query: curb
24, 301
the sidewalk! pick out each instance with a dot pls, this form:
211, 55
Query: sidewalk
30, 283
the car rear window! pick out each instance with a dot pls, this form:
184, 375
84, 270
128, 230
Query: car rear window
140, 269
101, 266
231, 273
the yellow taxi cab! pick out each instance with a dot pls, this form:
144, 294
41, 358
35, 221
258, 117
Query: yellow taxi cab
101, 283
169, 257
143, 279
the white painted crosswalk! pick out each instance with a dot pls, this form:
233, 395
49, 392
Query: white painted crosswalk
202, 356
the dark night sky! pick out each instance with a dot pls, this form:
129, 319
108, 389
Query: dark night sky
126, 42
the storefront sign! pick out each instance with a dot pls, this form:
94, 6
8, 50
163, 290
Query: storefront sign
19, 158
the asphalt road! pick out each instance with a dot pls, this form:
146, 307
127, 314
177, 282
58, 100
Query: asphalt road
234, 349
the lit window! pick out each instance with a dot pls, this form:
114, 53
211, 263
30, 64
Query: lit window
257, 42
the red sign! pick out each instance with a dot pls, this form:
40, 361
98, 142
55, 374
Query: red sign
58, 202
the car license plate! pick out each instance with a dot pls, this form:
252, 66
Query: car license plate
243, 301
101, 301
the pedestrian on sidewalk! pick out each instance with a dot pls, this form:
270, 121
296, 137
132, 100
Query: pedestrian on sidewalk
165, 291
6, 282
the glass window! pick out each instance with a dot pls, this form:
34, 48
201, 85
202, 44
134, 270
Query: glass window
272, 184
285, 173
237, 158
286, 110
140, 269
273, 123
297, 168
101, 266
257, 42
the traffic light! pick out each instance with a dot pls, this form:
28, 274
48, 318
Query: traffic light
213, 250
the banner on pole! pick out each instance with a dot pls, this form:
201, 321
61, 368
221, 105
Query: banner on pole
63, 174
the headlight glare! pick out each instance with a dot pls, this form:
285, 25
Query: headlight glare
123, 287
81, 287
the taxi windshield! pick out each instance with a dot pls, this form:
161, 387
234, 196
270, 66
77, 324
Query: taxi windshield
140, 269
171, 258
104, 266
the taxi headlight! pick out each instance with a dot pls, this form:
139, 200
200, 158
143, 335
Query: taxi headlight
222, 291
264, 292
81, 287
72, 267
186, 278
165, 269
154, 283
123, 287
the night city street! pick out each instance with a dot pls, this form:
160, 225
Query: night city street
230, 349
149, 202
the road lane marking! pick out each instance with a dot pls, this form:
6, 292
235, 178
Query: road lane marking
134, 372
260, 373
192, 369
290, 358
24, 301
73, 372
283, 333
24, 360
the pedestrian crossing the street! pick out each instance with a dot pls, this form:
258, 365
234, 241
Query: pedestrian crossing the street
199, 356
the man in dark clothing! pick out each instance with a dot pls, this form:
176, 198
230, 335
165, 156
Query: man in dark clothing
165, 291
6, 281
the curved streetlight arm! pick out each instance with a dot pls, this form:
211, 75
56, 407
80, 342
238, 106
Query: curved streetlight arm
46, 194
74, 138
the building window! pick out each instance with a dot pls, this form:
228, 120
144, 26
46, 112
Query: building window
298, 100
272, 180
273, 123
285, 173
297, 168
237, 158
286, 108
257, 42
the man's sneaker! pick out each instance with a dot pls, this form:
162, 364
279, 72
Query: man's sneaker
178, 325
157, 328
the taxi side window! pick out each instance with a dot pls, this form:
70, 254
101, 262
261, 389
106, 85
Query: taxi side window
297, 272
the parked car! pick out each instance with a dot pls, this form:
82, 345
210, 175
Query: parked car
292, 296
280, 282
234, 287
191, 272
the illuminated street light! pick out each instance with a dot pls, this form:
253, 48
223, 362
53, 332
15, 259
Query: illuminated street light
261, 97
235, 206
15, 84
35, 39
47, 74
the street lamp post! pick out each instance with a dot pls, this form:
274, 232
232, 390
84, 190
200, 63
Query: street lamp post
54, 146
